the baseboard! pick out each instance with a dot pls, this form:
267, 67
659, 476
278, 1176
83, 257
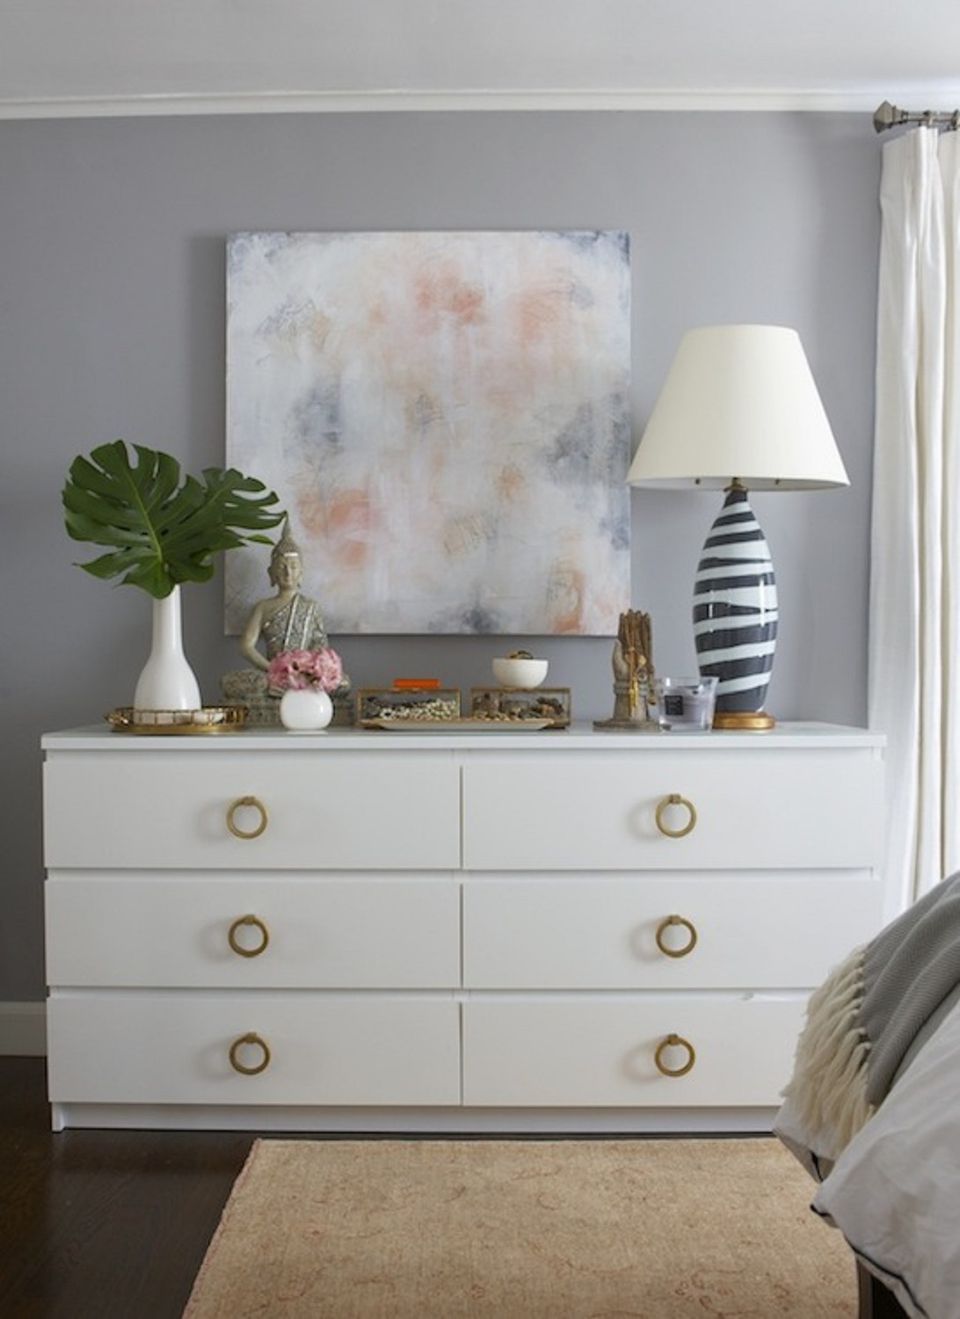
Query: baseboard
23, 1029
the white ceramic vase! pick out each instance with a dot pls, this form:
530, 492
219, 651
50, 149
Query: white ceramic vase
305, 710
167, 681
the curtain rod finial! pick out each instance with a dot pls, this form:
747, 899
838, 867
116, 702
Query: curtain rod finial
885, 116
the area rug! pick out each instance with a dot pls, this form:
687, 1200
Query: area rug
522, 1229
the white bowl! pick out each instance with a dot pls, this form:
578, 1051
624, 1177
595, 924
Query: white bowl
520, 672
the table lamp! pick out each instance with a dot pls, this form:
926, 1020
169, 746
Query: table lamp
739, 410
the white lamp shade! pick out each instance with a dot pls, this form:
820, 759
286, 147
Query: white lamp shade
739, 402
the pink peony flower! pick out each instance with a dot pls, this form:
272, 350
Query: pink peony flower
305, 668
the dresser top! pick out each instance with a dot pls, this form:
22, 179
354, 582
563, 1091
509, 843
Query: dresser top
579, 736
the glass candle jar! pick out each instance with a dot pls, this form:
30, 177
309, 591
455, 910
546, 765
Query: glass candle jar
685, 704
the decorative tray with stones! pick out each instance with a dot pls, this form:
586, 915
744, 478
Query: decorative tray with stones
459, 725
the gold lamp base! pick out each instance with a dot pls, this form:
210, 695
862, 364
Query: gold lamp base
743, 721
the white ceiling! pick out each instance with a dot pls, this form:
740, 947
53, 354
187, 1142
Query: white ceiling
62, 57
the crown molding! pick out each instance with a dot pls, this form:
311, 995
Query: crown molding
389, 100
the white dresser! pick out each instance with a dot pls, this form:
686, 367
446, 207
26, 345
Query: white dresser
514, 931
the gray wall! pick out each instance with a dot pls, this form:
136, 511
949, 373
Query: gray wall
112, 324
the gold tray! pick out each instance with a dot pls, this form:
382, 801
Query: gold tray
164, 723
464, 725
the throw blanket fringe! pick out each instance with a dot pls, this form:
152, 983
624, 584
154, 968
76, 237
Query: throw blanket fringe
868, 1021
829, 1086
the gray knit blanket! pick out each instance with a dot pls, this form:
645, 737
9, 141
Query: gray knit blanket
867, 1021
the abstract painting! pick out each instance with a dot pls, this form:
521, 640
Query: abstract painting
445, 416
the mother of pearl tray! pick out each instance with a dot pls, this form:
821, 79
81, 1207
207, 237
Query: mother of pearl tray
210, 719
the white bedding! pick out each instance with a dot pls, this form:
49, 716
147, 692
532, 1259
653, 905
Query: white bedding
894, 1192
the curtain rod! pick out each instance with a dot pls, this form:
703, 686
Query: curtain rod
891, 116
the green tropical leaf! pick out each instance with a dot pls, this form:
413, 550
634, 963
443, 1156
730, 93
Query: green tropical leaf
158, 530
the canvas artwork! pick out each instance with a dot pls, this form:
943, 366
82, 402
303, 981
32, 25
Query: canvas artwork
446, 418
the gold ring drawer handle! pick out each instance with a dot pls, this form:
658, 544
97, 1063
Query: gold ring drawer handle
250, 1038
676, 800
675, 1042
237, 805
669, 923
238, 947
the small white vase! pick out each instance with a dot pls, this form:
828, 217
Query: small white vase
167, 681
306, 710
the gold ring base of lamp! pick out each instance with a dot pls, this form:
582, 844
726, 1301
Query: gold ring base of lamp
744, 721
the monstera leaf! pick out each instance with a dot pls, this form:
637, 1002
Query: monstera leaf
159, 531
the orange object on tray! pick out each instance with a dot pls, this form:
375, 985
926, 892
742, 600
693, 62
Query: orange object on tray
416, 684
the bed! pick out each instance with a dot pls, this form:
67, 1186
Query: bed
873, 1110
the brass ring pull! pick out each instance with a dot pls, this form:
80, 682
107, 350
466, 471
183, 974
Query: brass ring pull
676, 800
238, 947
250, 1038
235, 806
675, 1042
688, 947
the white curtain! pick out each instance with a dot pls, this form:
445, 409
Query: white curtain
915, 568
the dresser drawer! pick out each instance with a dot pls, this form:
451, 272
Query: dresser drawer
769, 929
756, 808
564, 1051
324, 1049
316, 812
175, 930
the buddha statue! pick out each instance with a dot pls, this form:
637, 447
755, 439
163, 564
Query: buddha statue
287, 620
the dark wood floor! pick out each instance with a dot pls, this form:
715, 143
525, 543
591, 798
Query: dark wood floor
115, 1224
102, 1224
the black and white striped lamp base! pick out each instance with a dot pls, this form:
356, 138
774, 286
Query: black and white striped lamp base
735, 614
